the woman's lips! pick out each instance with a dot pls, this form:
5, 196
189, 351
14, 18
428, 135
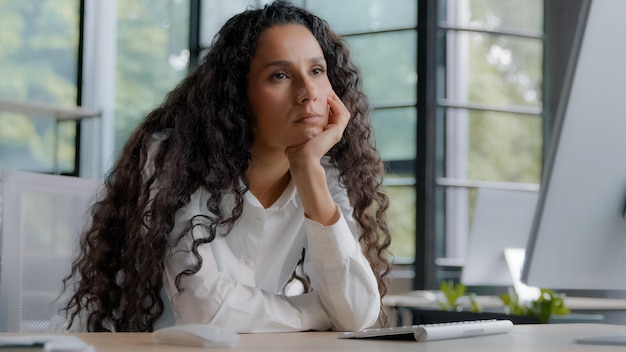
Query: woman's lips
309, 118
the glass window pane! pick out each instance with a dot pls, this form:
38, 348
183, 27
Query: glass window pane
36, 144
511, 15
350, 16
152, 57
388, 62
38, 63
497, 69
216, 13
401, 219
395, 133
502, 70
504, 147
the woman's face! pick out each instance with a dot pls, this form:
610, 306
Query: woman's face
288, 87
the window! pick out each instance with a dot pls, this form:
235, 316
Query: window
152, 57
39, 63
489, 107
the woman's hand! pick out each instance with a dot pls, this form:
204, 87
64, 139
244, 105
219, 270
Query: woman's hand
306, 170
315, 148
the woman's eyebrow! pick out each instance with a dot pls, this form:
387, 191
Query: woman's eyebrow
287, 63
278, 63
318, 60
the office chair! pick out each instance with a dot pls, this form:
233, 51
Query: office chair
41, 220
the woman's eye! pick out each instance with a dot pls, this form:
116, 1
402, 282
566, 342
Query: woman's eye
318, 71
279, 76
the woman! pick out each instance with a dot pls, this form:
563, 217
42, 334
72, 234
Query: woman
250, 199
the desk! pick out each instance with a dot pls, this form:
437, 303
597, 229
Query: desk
523, 338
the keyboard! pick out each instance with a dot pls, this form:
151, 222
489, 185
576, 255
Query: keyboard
432, 332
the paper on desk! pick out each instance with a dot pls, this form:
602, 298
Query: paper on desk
49, 343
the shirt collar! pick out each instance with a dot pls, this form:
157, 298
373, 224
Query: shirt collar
287, 197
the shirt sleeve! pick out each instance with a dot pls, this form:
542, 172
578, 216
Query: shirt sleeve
340, 273
211, 297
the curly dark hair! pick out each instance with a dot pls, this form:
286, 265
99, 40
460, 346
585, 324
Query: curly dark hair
118, 275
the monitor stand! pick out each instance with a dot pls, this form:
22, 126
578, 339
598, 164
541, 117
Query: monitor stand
515, 261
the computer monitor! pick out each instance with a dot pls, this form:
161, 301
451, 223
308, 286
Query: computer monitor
578, 235
502, 219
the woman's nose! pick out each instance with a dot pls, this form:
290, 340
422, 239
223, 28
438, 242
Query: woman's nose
306, 90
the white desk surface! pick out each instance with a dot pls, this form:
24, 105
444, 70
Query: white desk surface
523, 338
427, 299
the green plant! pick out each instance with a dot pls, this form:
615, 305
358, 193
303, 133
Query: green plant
547, 304
453, 293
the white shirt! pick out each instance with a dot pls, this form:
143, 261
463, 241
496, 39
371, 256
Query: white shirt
240, 285
243, 274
